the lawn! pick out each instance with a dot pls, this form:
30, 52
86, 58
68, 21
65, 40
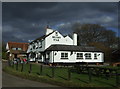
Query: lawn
61, 76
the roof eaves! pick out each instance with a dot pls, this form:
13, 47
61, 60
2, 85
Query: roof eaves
71, 48
42, 37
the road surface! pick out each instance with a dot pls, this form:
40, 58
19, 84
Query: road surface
13, 81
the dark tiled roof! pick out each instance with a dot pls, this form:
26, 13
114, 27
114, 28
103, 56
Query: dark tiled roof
42, 37
72, 48
116, 51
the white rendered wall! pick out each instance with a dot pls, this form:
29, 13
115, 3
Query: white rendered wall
42, 48
62, 40
38, 49
72, 57
51, 41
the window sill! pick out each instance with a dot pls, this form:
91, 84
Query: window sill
79, 58
64, 58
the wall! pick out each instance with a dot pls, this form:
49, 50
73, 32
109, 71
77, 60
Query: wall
38, 49
57, 39
72, 57
50, 40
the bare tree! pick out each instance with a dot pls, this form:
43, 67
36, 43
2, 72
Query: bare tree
89, 33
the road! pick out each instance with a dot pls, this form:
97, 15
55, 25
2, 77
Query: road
13, 81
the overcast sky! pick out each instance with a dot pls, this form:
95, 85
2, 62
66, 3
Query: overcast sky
27, 21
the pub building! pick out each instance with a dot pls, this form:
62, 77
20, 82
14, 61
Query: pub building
53, 47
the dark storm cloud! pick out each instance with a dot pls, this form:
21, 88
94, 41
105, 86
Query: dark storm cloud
27, 21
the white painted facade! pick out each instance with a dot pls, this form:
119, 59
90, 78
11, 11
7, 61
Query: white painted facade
39, 46
72, 57
57, 39
54, 38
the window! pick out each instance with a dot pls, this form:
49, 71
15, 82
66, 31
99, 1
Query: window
95, 56
39, 56
40, 44
36, 45
13, 48
16, 48
64, 55
48, 55
79, 55
33, 46
88, 56
19, 49
32, 55
56, 33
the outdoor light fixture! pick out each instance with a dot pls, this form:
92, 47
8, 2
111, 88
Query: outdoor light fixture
55, 53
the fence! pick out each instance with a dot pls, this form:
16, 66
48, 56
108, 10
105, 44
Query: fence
100, 71
53, 71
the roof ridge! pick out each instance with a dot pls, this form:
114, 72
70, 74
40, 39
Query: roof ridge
42, 37
18, 42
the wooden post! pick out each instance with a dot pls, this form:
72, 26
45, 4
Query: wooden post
53, 72
90, 75
69, 74
17, 65
30, 68
98, 72
41, 67
22, 68
87, 64
117, 78
13, 64
9, 64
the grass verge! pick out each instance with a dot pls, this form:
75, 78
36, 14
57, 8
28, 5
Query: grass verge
42, 78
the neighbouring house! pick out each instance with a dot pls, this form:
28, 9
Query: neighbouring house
116, 57
53, 47
16, 50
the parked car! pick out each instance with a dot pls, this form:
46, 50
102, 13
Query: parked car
24, 60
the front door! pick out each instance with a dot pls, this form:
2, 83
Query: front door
44, 58
15, 55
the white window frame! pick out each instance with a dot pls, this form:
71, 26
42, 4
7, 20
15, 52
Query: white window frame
64, 55
79, 56
95, 56
88, 56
